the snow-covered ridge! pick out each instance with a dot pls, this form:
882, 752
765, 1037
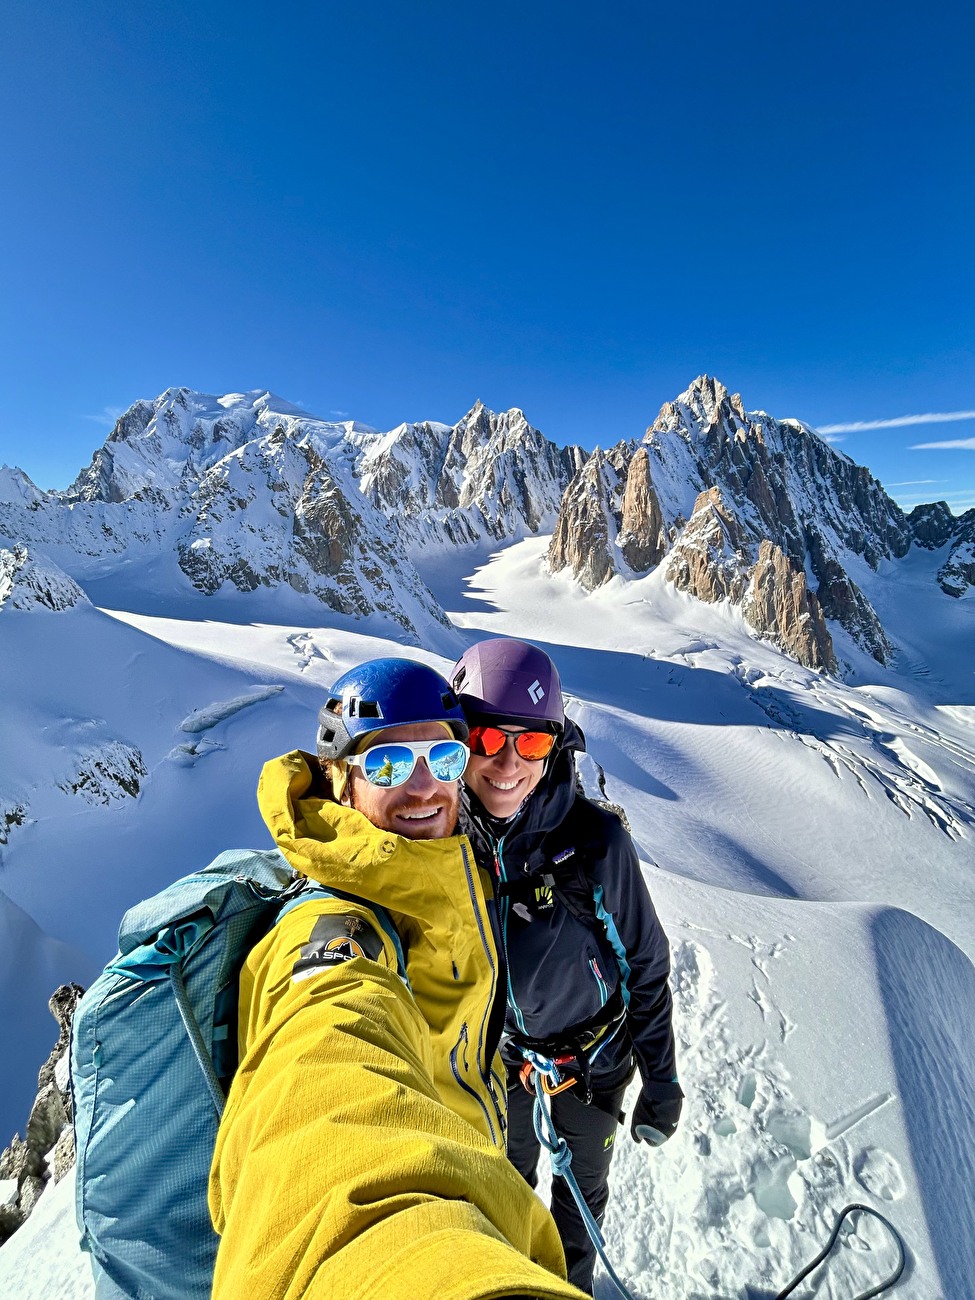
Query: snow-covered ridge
247, 491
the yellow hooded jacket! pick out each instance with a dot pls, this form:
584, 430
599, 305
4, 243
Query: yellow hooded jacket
361, 1152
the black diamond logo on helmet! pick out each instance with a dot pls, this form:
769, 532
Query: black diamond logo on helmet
535, 691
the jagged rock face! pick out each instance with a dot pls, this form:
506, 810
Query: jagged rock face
778, 474
706, 559
29, 583
48, 1146
740, 479
489, 477
780, 606
841, 599
642, 538
957, 573
590, 517
933, 526
581, 536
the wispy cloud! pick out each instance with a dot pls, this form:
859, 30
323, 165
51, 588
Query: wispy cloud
958, 444
962, 494
898, 422
916, 482
342, 414
108, 416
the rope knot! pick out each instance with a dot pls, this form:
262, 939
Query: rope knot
561, 1158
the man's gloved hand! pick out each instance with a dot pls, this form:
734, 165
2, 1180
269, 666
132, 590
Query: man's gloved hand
656, 1113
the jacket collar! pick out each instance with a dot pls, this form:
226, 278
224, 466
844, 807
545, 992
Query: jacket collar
341, 848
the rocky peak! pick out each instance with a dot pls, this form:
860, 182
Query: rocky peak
774, 481
490, 476
589, 535
933, 525
705, 404
957, 574
642, 537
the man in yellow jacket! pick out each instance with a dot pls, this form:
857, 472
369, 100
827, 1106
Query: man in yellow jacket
361, 1153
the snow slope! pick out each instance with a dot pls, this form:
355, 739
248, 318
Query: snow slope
808, 844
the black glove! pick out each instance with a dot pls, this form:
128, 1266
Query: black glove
656, 1113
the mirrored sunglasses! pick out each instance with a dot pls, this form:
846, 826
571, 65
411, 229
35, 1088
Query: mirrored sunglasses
391, 764
489, 741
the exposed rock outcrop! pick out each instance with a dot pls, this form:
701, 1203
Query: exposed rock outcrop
642, 537
29, 582
488, 477
581, 539
47, 1149
934, 526
957, 574
780, 606
707, 559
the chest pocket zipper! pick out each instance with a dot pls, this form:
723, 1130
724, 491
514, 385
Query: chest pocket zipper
600, 982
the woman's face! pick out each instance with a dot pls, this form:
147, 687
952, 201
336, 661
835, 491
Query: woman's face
503, 782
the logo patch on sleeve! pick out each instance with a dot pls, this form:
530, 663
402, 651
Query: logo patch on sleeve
336, 939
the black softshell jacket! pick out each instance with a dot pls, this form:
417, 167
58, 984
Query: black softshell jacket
562, 969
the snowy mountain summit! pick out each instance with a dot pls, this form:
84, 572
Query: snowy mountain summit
743, 507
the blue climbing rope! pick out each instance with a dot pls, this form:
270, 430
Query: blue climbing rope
561, 1157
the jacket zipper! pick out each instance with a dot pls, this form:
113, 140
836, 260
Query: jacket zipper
485, 1071
600, 982
504, 909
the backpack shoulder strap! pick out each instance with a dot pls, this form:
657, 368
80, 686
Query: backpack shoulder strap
568, 851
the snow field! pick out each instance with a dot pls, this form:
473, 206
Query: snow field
808, 844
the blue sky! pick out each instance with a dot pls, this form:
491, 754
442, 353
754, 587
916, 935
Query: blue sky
392, 209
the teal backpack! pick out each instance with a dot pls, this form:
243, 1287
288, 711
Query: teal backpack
153, 1050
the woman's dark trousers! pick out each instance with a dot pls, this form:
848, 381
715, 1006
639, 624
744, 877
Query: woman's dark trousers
591, 1133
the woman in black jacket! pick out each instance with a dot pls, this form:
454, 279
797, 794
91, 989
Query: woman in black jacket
587, 959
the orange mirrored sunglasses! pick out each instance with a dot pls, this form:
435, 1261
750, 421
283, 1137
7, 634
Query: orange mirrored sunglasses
489, 741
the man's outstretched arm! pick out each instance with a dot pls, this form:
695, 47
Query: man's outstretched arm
338, 1171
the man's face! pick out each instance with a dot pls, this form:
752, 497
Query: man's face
422, 808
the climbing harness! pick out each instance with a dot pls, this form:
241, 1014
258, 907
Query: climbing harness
547, 1078
864, 1295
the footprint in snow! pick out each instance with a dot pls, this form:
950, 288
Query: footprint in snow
880, 1174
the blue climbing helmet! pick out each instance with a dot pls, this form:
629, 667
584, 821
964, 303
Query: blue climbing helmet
384, 693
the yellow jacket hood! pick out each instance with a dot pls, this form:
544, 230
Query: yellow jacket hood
436, 898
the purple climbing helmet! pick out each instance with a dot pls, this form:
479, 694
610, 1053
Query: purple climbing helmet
509, 681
